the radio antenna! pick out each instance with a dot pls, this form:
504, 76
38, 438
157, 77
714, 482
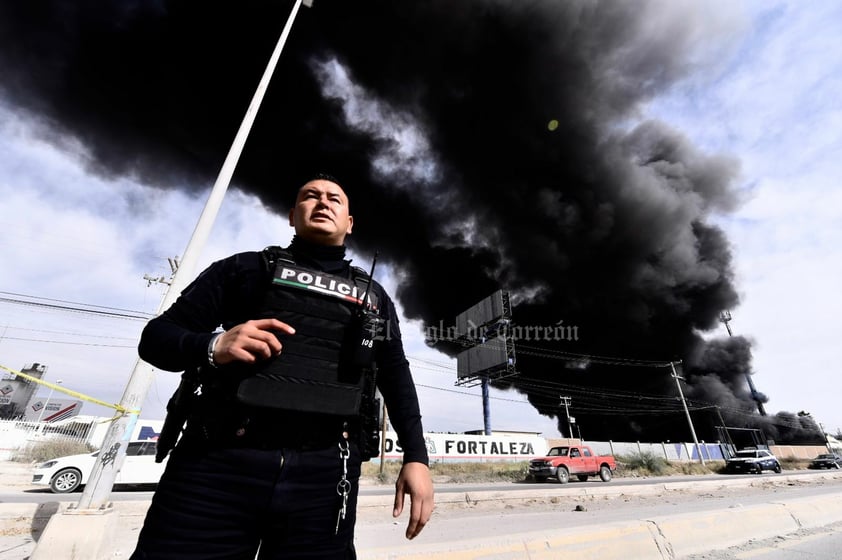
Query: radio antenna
370, 280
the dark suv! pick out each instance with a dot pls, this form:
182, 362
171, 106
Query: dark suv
752, 461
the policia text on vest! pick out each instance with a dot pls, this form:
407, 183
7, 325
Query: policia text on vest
343, 381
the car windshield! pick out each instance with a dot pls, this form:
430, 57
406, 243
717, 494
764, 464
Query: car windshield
826, 456
746, 454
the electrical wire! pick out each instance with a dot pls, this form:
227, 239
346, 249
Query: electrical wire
67, 333
589, 399
74, 307
69, 343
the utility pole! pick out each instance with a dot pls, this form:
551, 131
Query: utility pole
566, 402
687, 412
826, 440
724, 435
725, 317
113, 451
383, 440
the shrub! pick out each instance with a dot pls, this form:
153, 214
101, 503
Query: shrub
45, 450
496, 471
696, 468
644, 463
793, 464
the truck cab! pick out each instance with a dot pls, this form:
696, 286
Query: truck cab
565, 460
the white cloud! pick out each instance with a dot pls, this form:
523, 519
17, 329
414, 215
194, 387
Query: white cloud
777, 107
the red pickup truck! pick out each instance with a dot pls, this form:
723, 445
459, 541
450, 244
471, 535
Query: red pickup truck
577, 460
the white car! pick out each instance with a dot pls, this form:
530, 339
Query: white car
752, 461
67, 474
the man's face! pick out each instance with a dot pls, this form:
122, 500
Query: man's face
321, 213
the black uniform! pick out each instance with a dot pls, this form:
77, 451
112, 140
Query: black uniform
244, 476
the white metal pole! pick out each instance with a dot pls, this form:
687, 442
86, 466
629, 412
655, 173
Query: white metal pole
184, 273
113, 450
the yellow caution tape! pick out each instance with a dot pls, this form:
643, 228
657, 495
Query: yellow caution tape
119, 408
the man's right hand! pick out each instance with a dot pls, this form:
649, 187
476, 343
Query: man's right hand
250, 342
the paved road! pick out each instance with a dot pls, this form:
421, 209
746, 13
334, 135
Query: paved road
40, 495
623, 519
496, 521
824, 543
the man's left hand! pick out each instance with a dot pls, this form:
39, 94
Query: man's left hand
414, 479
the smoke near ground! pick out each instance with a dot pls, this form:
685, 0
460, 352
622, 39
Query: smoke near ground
485, 144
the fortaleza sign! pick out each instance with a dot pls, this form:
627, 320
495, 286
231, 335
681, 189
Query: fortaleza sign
440, 447
465, 447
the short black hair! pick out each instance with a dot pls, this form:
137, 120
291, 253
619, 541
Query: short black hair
322, 176
319, 176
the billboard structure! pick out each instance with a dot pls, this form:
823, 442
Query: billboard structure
52, 410
489, 348
17, 391
483, 329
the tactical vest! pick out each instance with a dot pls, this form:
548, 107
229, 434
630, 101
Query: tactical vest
327, 364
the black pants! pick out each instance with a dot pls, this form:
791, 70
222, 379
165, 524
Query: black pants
228, 503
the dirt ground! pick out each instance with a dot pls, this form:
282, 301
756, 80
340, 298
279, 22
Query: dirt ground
16, 475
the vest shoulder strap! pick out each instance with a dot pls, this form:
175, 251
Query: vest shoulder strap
358, 273
274, 253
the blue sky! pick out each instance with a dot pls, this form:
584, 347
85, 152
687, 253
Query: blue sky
776, 104
766, 90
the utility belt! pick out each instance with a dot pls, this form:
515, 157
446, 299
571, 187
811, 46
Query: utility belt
277, 430
216, 418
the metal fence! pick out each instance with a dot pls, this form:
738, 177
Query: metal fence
17, 436
671, 451
688, 452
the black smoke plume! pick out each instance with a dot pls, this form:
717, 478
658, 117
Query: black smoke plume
486, 144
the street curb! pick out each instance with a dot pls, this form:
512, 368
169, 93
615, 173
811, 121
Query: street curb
543, 492
658, 538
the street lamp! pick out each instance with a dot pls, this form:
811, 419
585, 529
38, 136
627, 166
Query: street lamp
43, 408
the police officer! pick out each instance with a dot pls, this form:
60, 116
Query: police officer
270, 457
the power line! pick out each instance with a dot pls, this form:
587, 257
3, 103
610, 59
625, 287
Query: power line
67, 333
589, 399
594, 358
446, 390
69, 343
74, 307
613, 402
571, 356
